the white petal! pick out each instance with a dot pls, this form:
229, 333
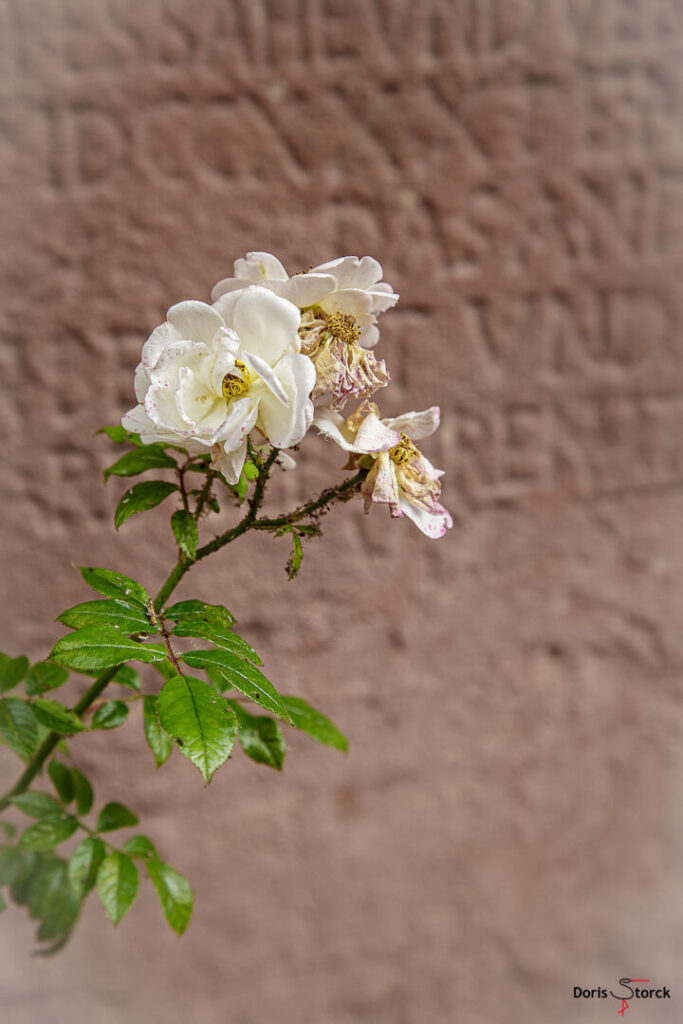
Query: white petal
266, 324
226, 346
225, 305
416, 424
380, 483
267, 375
333, 425
282, 426
433, 524
382, 299
260, 266
163, 335
228, 284
195, 320
352, 272
304, 289
232, 462
285, 461
141, 382
241, 418
199, 408
369, 336
139, 422
351, 300
374, 436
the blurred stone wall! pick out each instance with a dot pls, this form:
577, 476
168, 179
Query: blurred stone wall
508, 822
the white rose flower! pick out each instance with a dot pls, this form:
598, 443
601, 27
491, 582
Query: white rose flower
204, 384
400, 475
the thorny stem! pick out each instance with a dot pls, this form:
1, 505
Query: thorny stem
204, 493
250, 522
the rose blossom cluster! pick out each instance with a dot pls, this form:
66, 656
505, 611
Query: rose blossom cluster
274, 355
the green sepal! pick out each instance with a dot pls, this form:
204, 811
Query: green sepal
114, 815
142, 497
12, 671
44, 676
117, 883
174, 892
110, 715
159, 742
142, 458
185, 532
242, 676
306, 718
93, 648
18, 726
201, 721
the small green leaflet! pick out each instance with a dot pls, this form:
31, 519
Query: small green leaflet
117, 885
159, 742
48, 832
18, 726
260, 737
44, 676
309, 720
37, 805
148, 456
96, 647
127, 676
56, 717
11, 864
60, 915
297, 555
210, 613
82, 791
12, 671
242, 676
201, 721
174, 892
47, 883
185, 532
62, 780
119, 435
142, 497
113, 816
140, 846
111, 612
115, 584
219, 635
84, 865
110, 715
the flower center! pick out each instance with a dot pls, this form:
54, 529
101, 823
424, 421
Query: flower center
403, 452
233, 385
343, 326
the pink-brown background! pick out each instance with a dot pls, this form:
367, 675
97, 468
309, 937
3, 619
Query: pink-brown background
508, 822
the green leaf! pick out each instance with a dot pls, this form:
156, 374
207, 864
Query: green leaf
115, 584
113, 816
127, 676
82, 791
12, 671
210, 613
56, 717
93, 648
107, 613
242, 676
18, 726
202, 722
37, 805
110, 715
148, 456
3, 903
219, 635
185, 532
48, 832
46, 886
140, 846
174, 892
44, 676
7, 829
119, 435
62, 780
159, 742
59, 915
309, 720
260, 737
117, 885
11, 864
84, 865
142, 497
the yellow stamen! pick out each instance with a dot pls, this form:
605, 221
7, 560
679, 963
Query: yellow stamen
404, 451
344, 326
234, 386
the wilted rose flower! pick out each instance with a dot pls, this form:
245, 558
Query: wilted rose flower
205, 384
400, 476
339, 301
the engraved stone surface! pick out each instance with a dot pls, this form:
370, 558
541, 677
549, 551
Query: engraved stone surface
507, 824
